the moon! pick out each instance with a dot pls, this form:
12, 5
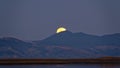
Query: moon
61, 29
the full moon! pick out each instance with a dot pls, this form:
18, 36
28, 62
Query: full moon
61, 29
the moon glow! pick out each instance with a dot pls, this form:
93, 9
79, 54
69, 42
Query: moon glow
61, 29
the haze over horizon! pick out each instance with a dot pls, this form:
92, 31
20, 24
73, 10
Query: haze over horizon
38, 19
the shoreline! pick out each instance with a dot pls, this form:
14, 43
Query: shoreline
59, 61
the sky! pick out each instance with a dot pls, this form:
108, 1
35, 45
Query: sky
38, 19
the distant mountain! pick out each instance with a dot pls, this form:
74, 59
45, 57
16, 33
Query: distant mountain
80, 39
62, 45
12, 47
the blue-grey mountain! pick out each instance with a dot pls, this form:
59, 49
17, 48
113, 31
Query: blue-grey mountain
62, 45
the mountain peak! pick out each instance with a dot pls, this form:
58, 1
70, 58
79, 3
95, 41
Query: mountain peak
10, 39
65, 32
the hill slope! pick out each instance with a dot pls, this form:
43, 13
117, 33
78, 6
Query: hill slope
62, 45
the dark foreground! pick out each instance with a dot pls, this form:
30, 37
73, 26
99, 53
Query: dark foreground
59, 61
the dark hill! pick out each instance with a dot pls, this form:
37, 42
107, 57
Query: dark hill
80, 39
62, 45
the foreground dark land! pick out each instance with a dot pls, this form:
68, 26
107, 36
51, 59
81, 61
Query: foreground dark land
104, 60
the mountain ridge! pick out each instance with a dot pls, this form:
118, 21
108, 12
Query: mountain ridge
69, 38
62, 45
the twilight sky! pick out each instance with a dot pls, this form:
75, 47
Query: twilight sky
38, 19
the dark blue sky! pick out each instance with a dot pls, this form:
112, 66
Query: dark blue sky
38, 19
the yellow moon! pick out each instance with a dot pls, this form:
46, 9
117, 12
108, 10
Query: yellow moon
61, 29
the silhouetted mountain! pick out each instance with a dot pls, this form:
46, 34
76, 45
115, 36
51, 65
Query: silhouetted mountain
62, 45
12, 47
80, 39
15, 48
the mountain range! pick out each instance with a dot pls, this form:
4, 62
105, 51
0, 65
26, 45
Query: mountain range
62, 45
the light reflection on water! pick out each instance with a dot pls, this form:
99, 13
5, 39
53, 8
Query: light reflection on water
62, 66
